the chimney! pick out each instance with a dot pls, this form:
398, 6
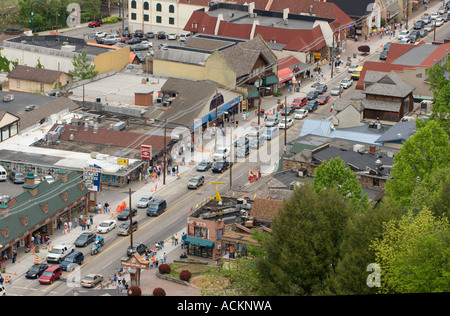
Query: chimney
62, 174
30, 184
285, 13
219, 19
372, 149
251, 7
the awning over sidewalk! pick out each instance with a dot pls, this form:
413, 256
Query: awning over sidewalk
285, 75
198, 241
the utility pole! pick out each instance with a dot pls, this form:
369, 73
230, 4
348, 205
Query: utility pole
216, 121
164, 153
259, 103
131, 221
332, 57
285, 121
434, 31
231, 158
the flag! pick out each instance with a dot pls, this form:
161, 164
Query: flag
331, 108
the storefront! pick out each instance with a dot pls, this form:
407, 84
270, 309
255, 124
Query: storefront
199, 247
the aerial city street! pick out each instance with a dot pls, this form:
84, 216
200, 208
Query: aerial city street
213, 148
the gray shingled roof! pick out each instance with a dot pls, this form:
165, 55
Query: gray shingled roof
381, 105
399, 132
34, 74
389, 84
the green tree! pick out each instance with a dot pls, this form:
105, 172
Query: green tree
83, 69
8, 14
334, 173
413, 254
423, 153
303, 249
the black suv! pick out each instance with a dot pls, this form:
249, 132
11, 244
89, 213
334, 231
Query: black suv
140, 248
414, 36
139, 33
419, 24
125, 214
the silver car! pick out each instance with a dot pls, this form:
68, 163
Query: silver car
145, 201
196, 182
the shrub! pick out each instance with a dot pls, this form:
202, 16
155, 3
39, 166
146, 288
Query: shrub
164, 268
159, 292
134, 291
185, 275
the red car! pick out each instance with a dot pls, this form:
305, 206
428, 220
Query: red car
52, 273
95, 24
323, 99
299, 102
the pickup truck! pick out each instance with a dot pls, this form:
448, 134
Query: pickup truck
59, 252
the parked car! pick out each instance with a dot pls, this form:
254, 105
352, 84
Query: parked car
442, 10
383, 54
72, 260
311, 95
220, 166
50, 275
312, 105
145, 201
323, 99
434, 15
126, 33
157, 207
221, 153
337, 90
30, 107
272, 121
346, 83
419, 24
150, 35
134, 40
321, 89
138, 47
287, 110
36, 271
172, 37
138, 33
352, 67
387, 46
439, 22
85, 239
270, 132
285, 123
95, 24
195, 182
445, 17
161, 35
405, 41
106, 226
184, 37
299, 102
204, 165
403, 34
414, 36
100, 34
426, 19
125, 214
138, 247
17, 177
256, 142
300, 114
255, 131
146, 44
91, 280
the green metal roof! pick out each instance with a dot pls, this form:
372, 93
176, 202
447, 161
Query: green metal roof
199, 241
30, 207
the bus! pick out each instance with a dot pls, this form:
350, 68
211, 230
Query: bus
356, 73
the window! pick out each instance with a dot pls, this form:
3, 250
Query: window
146, 17
146, 6
18, 84
133, 4
133, 16
158, 7
194, 25
172, 21
158, 19
171, 9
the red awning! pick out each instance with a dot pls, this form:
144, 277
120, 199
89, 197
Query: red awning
285, 75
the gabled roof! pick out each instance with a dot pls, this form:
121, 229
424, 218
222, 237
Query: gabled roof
389, 84
34, 74
353, 8
31, 207
399, 132
376, 66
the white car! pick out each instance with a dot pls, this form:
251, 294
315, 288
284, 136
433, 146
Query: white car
352, 67
172, 36
145, 201
434, 15
346, 83
220, 154
441, 10
300, 114
106, 226
403, 34
255, 131
100, 34
439, 22
285, 123
146, 44
405, 41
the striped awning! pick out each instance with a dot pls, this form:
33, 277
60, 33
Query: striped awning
285, 75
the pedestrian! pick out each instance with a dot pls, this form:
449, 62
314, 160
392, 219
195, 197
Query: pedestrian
153, 263
164, 257
75, 223
146, 177
14, 257
105, 207
70, 227
176, 239
128, 179
172, 238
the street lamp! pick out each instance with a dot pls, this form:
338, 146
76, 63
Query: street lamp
31, 9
